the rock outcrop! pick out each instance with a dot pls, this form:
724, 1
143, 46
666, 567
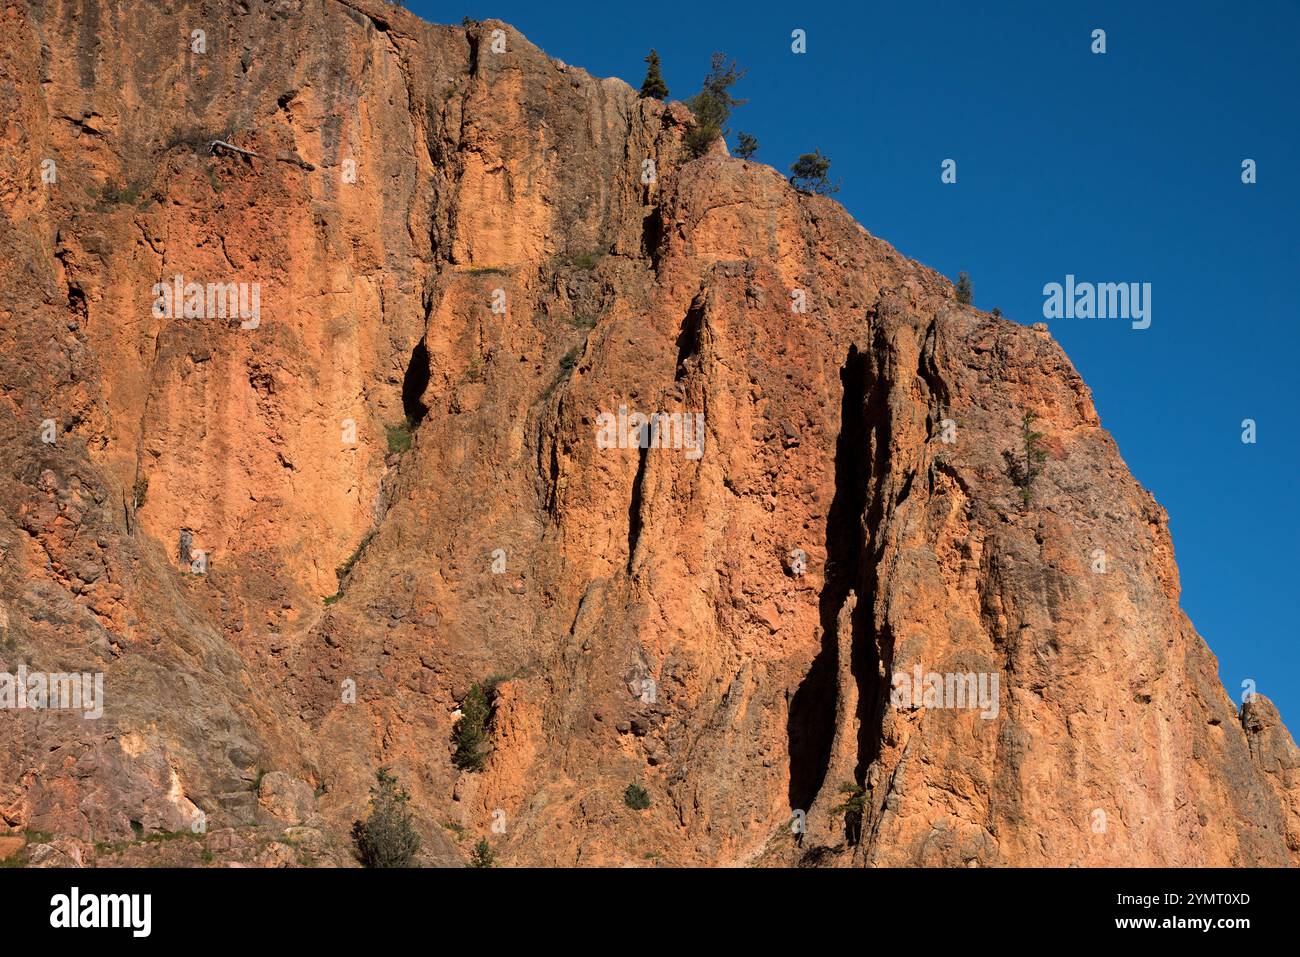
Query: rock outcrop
292, 538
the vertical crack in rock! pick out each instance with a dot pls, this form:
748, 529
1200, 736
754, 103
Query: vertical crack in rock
414, 382
634, 507
688, 339
871, 645
652, 235
812, 722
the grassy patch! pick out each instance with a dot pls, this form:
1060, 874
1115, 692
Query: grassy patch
457, 829
569, 360
585, 261
112, 194
399, 437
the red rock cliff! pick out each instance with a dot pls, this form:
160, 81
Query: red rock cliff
443, 231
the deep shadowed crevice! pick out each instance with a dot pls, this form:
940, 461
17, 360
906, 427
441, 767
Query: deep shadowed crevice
652, 234
811, 724
865, 664
472, 38
414, 383
634, 509
688, 337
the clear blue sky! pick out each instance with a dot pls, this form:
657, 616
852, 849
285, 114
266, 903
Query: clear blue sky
1117, 167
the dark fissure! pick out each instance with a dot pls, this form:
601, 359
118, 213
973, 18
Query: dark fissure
634, 508
688, 336
811, 724
414, 383
865, 664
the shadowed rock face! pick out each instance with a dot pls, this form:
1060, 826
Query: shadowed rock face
464, 238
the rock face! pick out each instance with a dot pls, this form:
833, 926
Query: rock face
445, 227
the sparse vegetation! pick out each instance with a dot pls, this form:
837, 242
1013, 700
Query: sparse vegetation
331, 599
853, 807
457, 829
855, 799
387, 837
587, 261
482, 855
471, 732
1030, 464
653, 85
343, 570
712, 106
809, 173
140, 491
965, 294
569, 360
636, 797
487, 271
110, 194
474, 371
746, 145
400, 436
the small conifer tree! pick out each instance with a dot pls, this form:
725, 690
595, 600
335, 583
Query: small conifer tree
387, 837
964, 293
482, 855
1032, 466
653, 85
809, 171
712, 106
471, 734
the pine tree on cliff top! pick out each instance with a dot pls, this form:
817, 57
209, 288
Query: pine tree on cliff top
653, 85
